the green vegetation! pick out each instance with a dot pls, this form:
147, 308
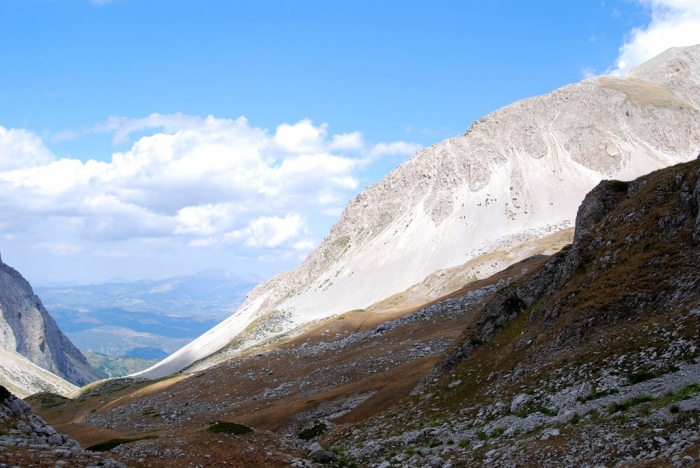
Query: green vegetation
110, 444
627, 404
682, 394
51, 401
644, 375
596, 395
223, 427
316, 430
464, 443
525, 412
117, 366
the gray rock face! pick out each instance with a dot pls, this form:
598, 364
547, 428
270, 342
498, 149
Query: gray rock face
28, 329
23, 428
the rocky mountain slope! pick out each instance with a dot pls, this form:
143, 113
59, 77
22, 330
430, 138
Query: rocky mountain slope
27, 440
26, 328
591, 359
23, 378
471, 205
585, 358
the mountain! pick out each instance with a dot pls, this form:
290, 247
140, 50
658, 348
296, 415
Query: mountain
469, 206
588, 357
23, 378
26, 328
590, 360
117, 318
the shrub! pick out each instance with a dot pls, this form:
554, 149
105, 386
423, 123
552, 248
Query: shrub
108, 445
312, 432
596, 395
627, 404
223, 427
547, 411
642, 376
464, 443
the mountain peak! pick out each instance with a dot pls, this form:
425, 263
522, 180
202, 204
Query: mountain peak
474, 204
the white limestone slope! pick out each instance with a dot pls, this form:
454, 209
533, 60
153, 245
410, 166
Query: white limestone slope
516, 175
23, 378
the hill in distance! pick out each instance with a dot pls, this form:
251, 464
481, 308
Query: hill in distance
124, 318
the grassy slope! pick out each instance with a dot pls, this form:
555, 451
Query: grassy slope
117, 366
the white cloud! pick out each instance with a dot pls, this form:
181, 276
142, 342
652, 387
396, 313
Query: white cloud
100, 253
21, 149
196, 181
300, 138
274, 231
674, 23
122, 127
396, 148
60, 248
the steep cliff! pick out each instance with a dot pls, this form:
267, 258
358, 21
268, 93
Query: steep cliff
27, 329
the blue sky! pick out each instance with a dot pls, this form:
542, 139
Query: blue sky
154, 138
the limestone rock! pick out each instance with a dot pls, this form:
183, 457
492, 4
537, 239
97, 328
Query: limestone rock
27, 329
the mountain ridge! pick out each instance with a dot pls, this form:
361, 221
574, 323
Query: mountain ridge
516, 175
590, 356
26, 328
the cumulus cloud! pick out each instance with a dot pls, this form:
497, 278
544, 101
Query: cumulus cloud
21, 149
674, 23
200, 181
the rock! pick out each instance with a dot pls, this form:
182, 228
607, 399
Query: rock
27, 328
519, 402
62, 453
314, 447
323, 456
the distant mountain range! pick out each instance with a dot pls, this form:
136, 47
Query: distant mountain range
147, 318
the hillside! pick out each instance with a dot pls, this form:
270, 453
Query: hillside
26, 328
590, 359
585, 357
470, 206
23, 378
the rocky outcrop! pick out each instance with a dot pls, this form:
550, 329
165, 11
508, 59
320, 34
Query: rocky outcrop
29, 439
27, 328
516, 175
615, 218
